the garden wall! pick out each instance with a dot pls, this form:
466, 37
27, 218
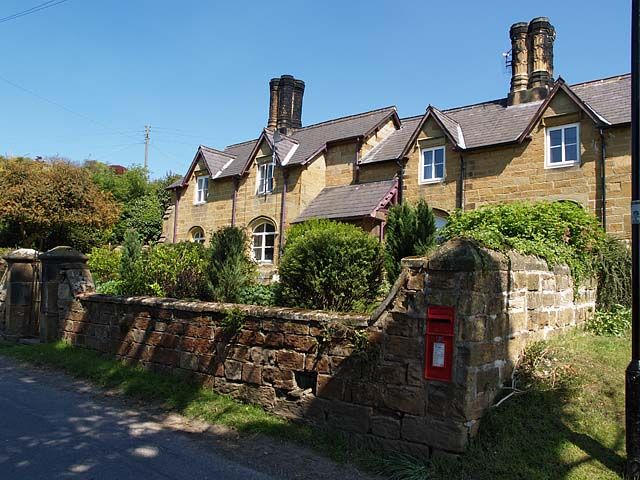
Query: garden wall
359, 374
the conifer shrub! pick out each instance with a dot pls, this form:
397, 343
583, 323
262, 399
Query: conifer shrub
230, 268
614, 275
132, 272
329, 265
410, 231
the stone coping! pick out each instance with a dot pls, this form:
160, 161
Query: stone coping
282, 313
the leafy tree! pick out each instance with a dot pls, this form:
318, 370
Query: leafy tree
142, 214
329, 265
231, 270
43, 204
410, 231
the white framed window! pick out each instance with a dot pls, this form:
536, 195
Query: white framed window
202, 189
197, 235
432, 165
263, 242
562, 146
265, 178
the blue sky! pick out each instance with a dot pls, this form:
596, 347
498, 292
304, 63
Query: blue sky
198, 71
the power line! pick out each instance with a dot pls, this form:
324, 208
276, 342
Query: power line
81, 115
29, 11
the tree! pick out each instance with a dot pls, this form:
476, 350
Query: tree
43, 204
410, 231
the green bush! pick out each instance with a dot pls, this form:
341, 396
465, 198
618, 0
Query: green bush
144, 215
258, 294
132, 263
110, 287
613, 323
410, 231
329, 265
614, 274
178, 270
104, 264
230, 269
559, 232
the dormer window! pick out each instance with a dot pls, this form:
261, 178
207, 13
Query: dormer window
202, 189
265, 178
432, 165
562, 146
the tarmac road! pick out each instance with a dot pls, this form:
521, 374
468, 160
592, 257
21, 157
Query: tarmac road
51, 431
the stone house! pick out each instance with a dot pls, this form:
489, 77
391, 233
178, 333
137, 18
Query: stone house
545, 140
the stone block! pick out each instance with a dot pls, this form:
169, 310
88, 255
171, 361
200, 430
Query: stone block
274, 340
439, 433
405, 399
533, 282
416, 281
392, 374
487, 379
364, 393
250, 338
317, 363
402, 348
352, 418
262, 356
403, 326
290, 360
196, 345
251, 373
385, 427
189, 361
301, 343
232, 370
280, 379
329, 387
239, 353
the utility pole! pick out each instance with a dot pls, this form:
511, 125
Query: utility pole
147, 131
632, 383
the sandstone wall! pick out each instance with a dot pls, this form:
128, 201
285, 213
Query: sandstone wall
362, 375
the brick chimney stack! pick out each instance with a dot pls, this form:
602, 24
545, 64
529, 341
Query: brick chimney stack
531, 60
285, 103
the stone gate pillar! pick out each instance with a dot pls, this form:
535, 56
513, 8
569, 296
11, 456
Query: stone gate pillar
65, 274
20, 316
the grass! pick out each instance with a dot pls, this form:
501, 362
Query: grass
573, 429
175, 394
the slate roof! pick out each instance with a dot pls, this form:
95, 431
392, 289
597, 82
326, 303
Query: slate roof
313, 138
348, 201
496, 122
391, 147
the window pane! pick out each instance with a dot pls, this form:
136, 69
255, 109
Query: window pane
428, 171
257, 240
571, 153
555, 138
555, 154
268, 254
570, 135
257, 254
269, 240
439, 155
268, 227
439, 170
428, 157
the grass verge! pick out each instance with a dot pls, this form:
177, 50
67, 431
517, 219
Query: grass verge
175, 394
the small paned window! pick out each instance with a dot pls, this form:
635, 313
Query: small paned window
563, 146
197, 235
202, 189
263, 244
265, 178
432, 166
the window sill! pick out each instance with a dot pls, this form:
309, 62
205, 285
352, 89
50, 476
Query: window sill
199, 203
552, 166
431, 182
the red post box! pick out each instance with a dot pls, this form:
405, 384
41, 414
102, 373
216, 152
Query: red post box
438, 361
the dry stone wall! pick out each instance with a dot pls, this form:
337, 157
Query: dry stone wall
362, 375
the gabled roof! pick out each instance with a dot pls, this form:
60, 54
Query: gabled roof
350, 201
313, 139
391, 147
214, 160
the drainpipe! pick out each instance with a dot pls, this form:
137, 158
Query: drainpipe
382, 225
461, 186
603, 178
283, 209
401, 164
357, 164
234, 199
175, 216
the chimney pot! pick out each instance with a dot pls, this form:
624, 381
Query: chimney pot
285, 103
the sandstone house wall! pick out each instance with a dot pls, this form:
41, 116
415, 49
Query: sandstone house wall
362, 375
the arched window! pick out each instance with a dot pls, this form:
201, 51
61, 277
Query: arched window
441, 218
263, 242
196, 235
